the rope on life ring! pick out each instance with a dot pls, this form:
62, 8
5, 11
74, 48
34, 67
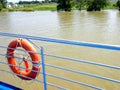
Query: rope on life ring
23, 74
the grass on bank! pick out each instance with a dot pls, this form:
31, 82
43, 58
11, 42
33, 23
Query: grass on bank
32, 7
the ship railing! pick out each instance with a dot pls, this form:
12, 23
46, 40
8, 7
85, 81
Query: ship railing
65, 58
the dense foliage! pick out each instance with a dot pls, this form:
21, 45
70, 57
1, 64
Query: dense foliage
118, 4
3, 4
65, 5
92, 5
96, 5
80, 3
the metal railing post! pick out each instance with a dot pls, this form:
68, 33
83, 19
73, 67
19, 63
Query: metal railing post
43, 68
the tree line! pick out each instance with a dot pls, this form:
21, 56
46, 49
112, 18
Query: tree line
3, 4
35, 2
68, 5
90, 5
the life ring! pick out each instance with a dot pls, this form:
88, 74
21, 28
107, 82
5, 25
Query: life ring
23, 74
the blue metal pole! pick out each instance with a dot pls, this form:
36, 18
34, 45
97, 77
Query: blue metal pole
43, 69
77, 43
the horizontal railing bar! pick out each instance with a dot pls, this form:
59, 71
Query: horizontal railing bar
39, 47
18, 49
77, 60
77, 43
85, 61
70, 70
19, 58
73, 81
20, 75
2, 54
3, 47
84, 73
12, 48
96, 76
18, 66
57, 86
40, 81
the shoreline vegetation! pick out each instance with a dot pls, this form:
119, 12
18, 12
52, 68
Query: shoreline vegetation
61, 5
32, 7
44, 7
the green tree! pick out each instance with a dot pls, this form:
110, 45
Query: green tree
1, 6
96, 5
80, 3
118, 4
65, 5
3, 3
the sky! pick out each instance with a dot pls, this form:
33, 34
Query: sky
21, 0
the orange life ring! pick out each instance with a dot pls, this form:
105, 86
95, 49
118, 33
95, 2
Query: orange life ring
23, 74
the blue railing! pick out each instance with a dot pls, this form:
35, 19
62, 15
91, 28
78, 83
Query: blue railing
68, 42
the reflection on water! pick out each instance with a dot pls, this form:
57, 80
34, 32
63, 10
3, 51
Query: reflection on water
98, 26
101, 27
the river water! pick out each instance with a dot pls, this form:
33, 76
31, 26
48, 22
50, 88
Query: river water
99, 27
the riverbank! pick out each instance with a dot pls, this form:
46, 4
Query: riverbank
32, 7
43, 7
